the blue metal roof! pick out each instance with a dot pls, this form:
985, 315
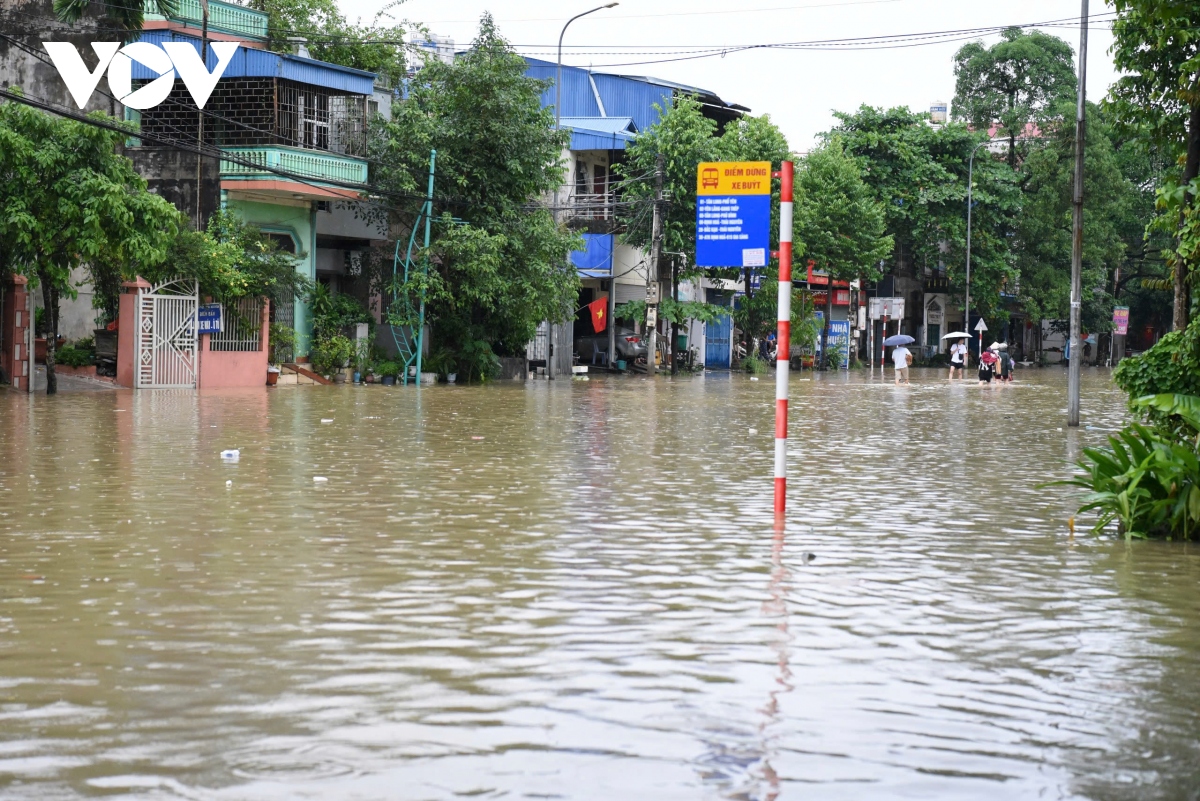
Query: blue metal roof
600, 133
611, 125
622, 95
249, 62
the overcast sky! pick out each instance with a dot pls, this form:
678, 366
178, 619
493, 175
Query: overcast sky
799, 90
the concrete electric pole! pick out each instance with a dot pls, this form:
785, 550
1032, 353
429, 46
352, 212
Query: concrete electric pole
1073, 369
656, 247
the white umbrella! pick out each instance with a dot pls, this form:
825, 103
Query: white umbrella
957, 335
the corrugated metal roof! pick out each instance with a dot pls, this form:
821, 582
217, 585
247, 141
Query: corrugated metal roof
577, 97
600, 133
620, 125
622, 95
253, 63
626, 98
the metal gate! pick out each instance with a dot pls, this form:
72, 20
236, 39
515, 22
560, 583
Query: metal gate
166, 336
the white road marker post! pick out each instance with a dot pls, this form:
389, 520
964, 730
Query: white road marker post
783, 336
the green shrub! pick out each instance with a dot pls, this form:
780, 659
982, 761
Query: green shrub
754, 365
331, 353
73, 356
1149, 485
1171, 366
281, 341
1148, 480
477, 361
388, 368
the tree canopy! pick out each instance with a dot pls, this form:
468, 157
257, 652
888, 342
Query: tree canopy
1024, 78
1043, 240
919, 174
68, 200
376, 47
499, 261
841, 223
1156, 102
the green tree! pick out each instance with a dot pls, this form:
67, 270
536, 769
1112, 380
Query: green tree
684, 137
1044, 228
1023, 78
378, 47
127, 16
841, 223
231, 260
1157, 100
919, 174
499, 261
67, 200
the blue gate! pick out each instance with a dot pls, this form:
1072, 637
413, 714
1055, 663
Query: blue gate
717, 336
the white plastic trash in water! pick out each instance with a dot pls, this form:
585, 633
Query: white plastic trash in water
326, 419
319, 479
754, 431
231, 455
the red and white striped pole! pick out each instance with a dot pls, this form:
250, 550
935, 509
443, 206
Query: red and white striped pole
784, 336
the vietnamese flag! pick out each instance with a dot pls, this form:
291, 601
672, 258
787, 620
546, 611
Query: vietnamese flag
599, 310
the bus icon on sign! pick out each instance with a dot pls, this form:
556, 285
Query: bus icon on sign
708, 178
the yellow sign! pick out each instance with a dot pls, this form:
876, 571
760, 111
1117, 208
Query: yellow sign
733, 178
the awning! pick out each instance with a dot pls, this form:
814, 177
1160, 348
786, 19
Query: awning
596, 258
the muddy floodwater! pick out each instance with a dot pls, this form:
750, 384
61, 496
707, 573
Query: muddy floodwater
575, 591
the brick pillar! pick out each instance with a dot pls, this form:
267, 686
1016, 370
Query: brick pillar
15, 319
126, 328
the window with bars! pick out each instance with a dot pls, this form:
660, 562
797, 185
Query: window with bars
249, 112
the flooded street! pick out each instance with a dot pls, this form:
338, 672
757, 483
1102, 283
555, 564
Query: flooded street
574, 590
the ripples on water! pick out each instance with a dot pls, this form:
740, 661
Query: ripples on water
575, 591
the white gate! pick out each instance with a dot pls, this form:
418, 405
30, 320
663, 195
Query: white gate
166, 336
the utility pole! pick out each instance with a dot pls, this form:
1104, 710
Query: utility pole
1073, 369
674, 323
200, 112
656, 237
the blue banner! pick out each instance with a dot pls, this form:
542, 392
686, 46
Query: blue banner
732, 230
596, 258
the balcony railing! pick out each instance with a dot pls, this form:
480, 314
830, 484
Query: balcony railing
592, 207
222, 17
304, 163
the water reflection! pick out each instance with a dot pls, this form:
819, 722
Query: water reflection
577, 591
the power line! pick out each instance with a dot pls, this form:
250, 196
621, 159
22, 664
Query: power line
628, 49
738, 11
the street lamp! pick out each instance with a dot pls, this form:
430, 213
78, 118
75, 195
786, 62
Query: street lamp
558, 126
558, 74
970, 187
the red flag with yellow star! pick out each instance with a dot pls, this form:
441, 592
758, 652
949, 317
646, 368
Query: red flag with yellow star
599, 310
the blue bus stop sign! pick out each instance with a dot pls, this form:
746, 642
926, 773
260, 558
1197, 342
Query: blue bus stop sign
733, 213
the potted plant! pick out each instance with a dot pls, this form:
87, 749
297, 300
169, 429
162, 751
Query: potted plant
440, 363
388, 370
362, 359
281, 339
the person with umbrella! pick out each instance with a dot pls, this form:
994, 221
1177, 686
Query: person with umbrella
958, 353
901, 357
